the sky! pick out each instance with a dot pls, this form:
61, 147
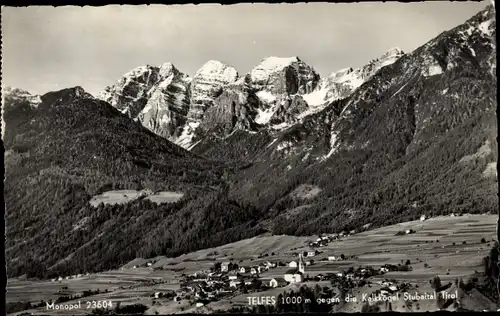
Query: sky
51, 48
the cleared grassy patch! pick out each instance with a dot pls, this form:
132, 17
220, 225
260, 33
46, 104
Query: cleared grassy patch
305, 191
165, 197
126, 196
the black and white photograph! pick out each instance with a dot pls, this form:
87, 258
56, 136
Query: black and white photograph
250, 158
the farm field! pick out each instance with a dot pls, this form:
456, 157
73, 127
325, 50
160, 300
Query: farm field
449, 247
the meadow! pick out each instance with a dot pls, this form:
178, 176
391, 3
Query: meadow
445, 246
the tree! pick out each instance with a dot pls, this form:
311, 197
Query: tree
435, 283
367, 308
440, 302
243, 287
342, 293
493, 261
486, 265
233, 266
217, 266
256, 283
461, 284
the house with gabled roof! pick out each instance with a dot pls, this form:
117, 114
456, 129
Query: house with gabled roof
244, 269
224, 267
277, 282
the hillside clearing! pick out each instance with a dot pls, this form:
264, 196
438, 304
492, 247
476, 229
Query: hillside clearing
126, 196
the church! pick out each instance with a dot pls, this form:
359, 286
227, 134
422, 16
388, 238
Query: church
296, 275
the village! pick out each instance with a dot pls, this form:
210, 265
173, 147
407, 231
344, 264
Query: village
231, 280
228, 278
347, 263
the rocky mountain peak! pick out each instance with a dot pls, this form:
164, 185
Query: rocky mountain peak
394, 52
338, 75
64, 96
218, 69
11, 90
468, 46
133, 90
15, 92
275, 80
157, 96
342, 83
167, 69
138, 73
80, 92
280, 75
207, 84
437, 81
12, 95
277, 91
271, 64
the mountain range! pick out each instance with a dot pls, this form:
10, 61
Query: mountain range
275, 94
277, 150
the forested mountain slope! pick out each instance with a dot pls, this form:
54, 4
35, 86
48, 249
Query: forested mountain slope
418, 137
70, 147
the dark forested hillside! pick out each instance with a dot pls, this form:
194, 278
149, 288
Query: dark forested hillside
419, 137
240, 146
71, 147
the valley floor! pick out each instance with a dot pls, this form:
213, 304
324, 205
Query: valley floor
448, 247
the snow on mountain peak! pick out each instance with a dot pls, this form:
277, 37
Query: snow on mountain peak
207, 85
487, 27
136, 72
389, 57
166, 70
341, 75
218, 69
393, 52
147, 92
342, 83
270, 65
9, 92
277, 79
14, 91
274, 62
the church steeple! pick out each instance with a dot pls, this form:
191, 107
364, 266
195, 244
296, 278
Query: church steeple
301, 263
